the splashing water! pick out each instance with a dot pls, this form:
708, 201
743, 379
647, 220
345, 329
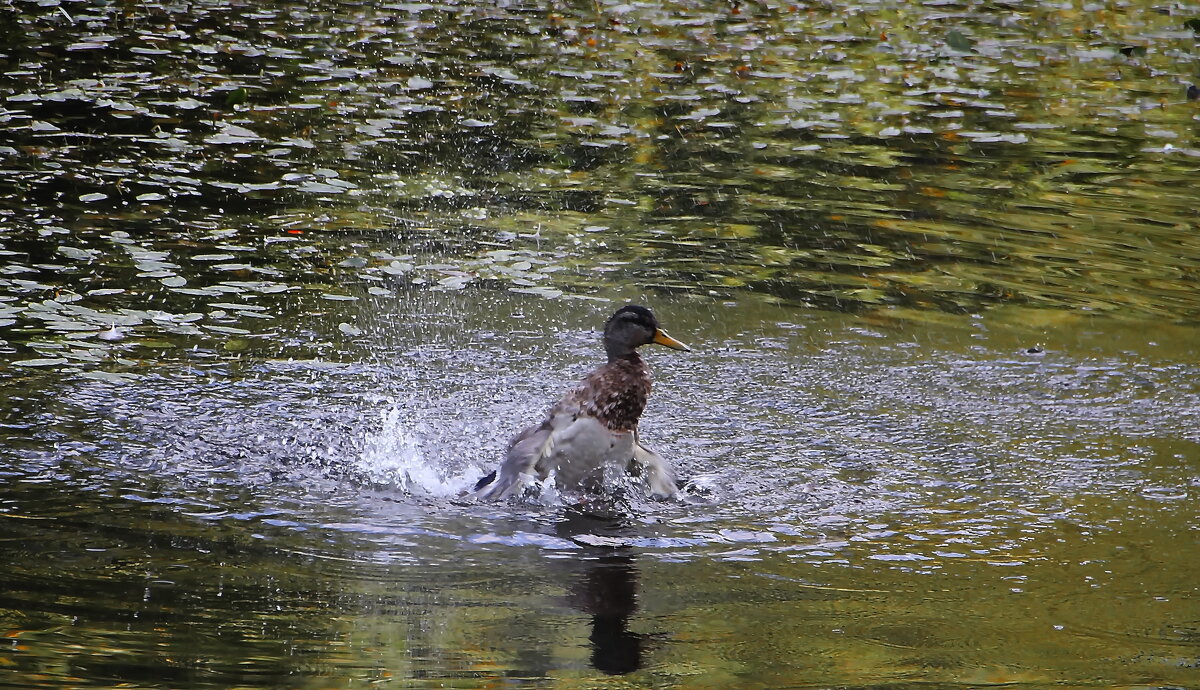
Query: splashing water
393, 456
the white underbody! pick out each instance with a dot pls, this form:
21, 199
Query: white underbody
583, 453
580, 454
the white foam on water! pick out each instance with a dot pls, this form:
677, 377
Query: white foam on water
394, 456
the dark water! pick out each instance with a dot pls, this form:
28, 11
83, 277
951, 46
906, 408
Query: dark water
278, 282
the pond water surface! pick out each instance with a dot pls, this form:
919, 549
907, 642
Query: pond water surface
278, 281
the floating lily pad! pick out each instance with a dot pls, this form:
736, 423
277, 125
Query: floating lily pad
313, 187
41, 362
77, 253
109, 376
228, 329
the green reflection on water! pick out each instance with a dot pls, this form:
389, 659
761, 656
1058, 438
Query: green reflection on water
846, 160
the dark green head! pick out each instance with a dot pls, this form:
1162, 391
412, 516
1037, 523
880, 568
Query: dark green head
630, 328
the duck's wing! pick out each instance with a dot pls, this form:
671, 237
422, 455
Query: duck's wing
658, 474
520, 463
528, 450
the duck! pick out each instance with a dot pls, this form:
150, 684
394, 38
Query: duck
590, 436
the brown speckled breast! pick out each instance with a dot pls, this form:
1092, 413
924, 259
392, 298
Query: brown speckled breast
614, 393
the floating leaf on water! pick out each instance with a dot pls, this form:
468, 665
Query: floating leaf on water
150, 196
472, 122
42, 362
16, 268
228, 329
237, 307
246, 188
547, 292
379, 292
418, 83
349, 329
213, 257
174, 281
320, 188
152, 264
81, 355
124, 106
69, 325
501, 73
236, 96
454, 282
233, 134
110, 376
88, 314
959, 41
131, 317
30, 284
94, 196
338, 298
186, 104
113, 334
184, 329
77, 253
396, 268
353, 262
235, 345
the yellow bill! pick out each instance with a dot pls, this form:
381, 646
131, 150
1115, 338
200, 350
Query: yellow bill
661, 337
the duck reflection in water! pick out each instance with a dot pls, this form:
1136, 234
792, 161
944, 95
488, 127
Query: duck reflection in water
606, 588
608, 591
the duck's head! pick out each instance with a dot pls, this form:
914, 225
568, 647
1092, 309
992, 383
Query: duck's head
634, 326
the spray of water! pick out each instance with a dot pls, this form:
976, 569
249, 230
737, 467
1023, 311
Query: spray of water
393, 456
